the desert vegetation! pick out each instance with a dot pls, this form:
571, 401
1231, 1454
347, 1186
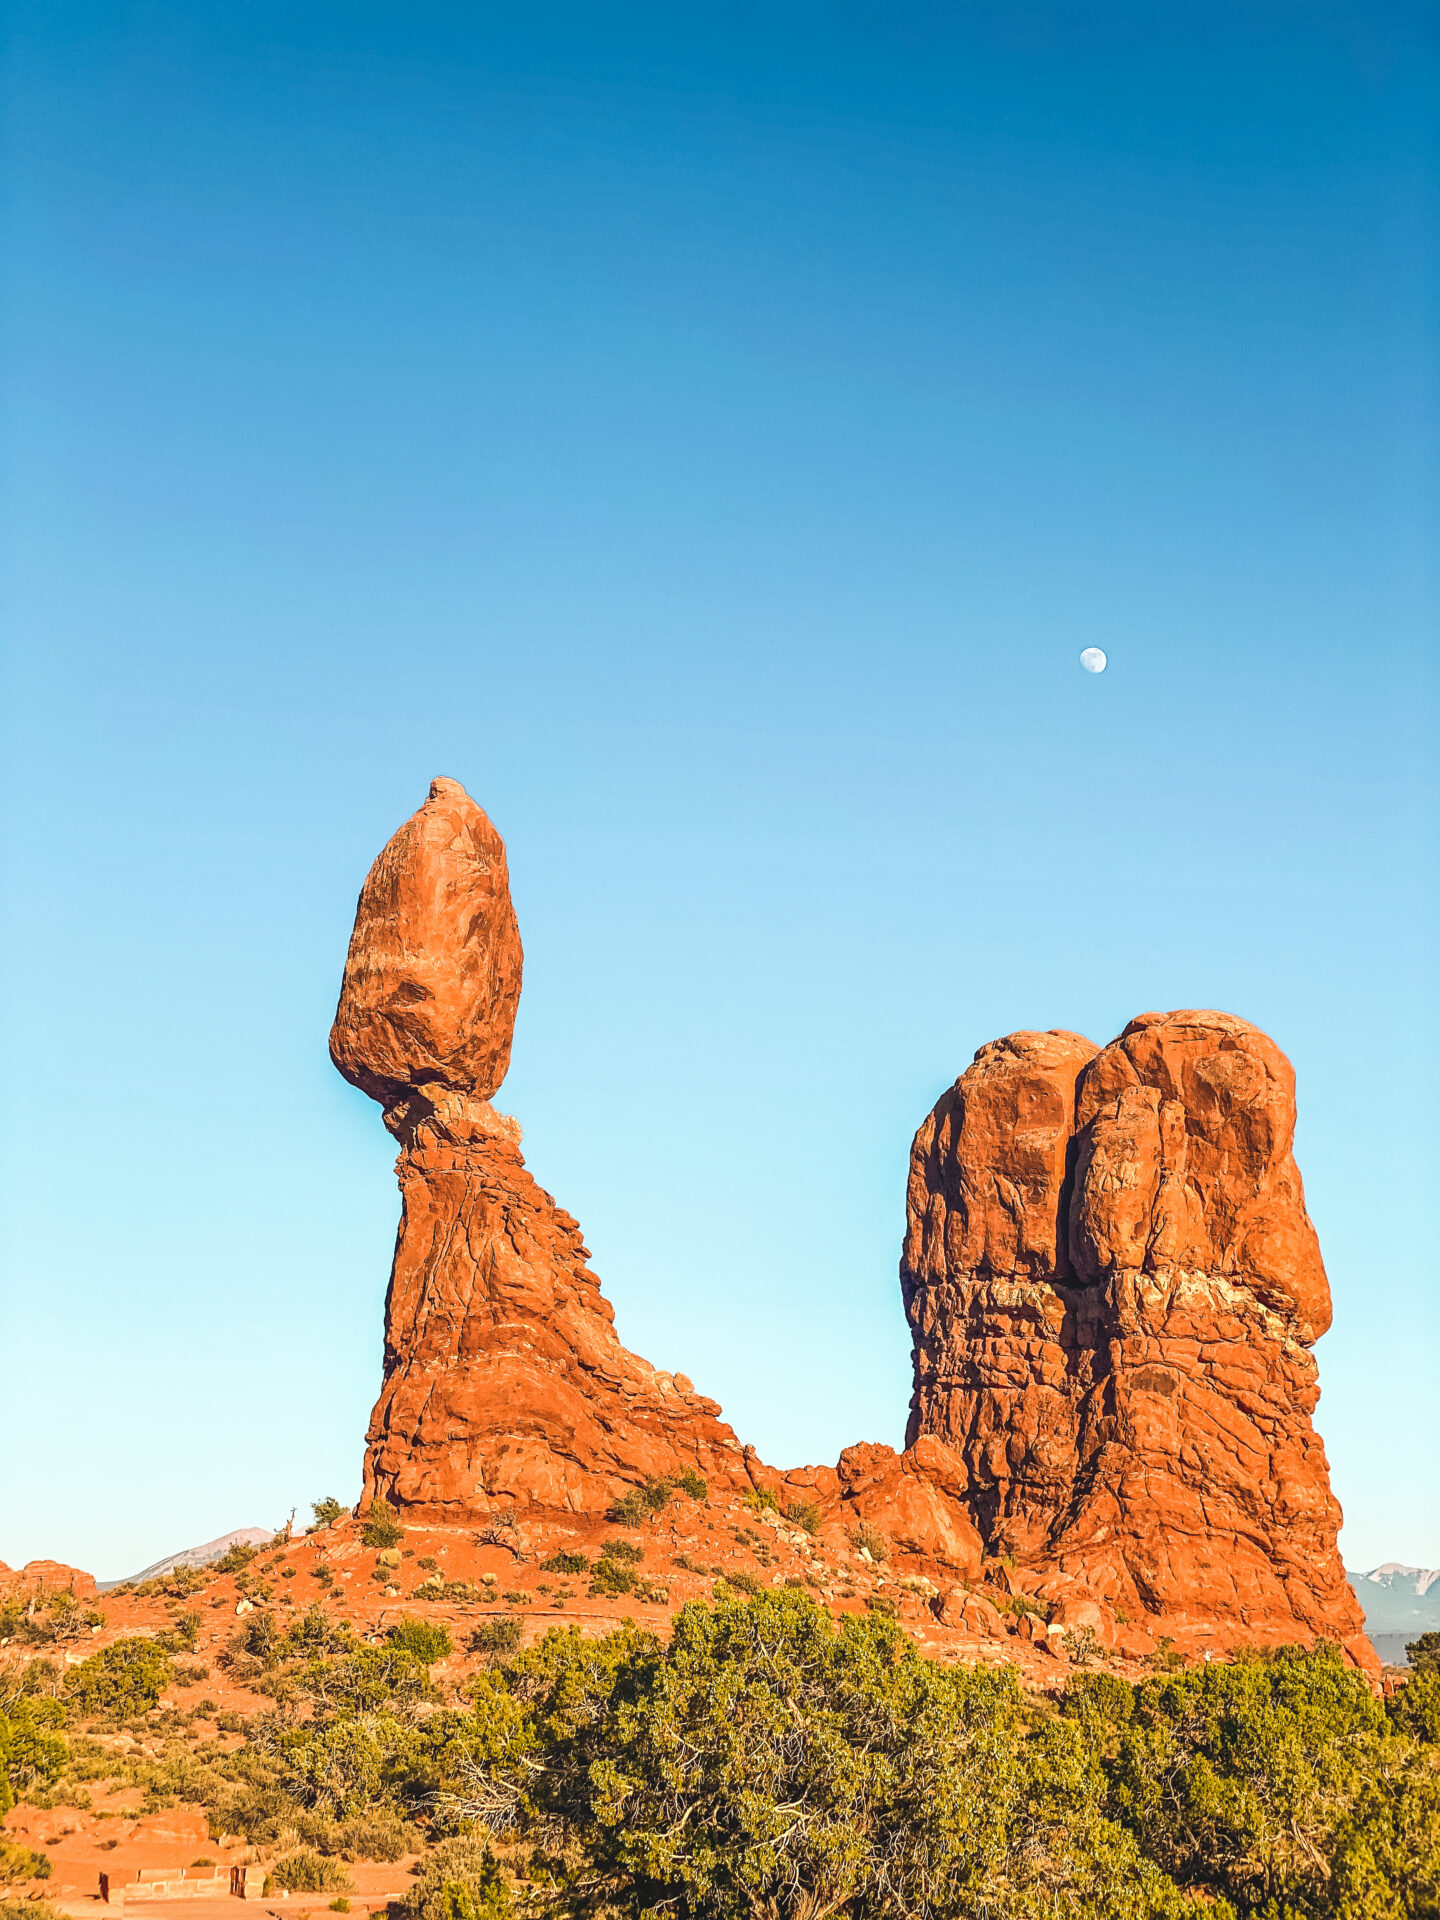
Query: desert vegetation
767, 1759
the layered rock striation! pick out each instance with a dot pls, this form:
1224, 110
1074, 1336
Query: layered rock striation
1113, 1288
504, 1381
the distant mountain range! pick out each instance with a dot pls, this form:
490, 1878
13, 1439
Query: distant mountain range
1400, 1604
198, 1556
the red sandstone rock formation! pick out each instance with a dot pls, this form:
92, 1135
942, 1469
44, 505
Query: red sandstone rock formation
1111, 1279
432, 979
45, 1576
504, 1381
1113, 1288
916, 1499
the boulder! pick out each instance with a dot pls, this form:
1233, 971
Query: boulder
914, 1499
432, 978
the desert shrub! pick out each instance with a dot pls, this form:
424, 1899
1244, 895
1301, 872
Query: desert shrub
1104, 1705
741, 1581
181, 1635
376, 1836
19, 1863
327, 1511
1235, 1777
454, 1592
339, 1904
625, 1551
235, 1558
804, 1514
496, 1636
313, 1632
695, 1485
772, 1761
427, 1640
565, 1563
307, 1872
381, 1528
338, 1766
1415, 1707
365, 1680
761, 1500
46, 1619
122, 1680
1424, 1653
255, 1645
610, 1578
428, 1562
33, 1755
871, 1540
499, 1636
31, 1910
641, 1503
460, 1880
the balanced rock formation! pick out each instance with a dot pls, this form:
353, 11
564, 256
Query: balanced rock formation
1113, 1288
1111, 1280
504, 1381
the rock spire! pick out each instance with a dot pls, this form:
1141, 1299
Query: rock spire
504, 1381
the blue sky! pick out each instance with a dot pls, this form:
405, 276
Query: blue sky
711, 434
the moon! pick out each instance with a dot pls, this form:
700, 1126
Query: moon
1093, 660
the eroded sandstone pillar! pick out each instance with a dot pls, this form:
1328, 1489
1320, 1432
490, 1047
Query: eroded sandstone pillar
504, 1382
1113, 1288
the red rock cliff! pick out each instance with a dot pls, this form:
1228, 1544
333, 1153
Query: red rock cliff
504, 1381
1113, 1287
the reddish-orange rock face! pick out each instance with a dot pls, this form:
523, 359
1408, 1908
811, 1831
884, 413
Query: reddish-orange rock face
44, 1577
1187, 1122
505, 1383
989, 1170
1113, 1287
432, 980
504, 1380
